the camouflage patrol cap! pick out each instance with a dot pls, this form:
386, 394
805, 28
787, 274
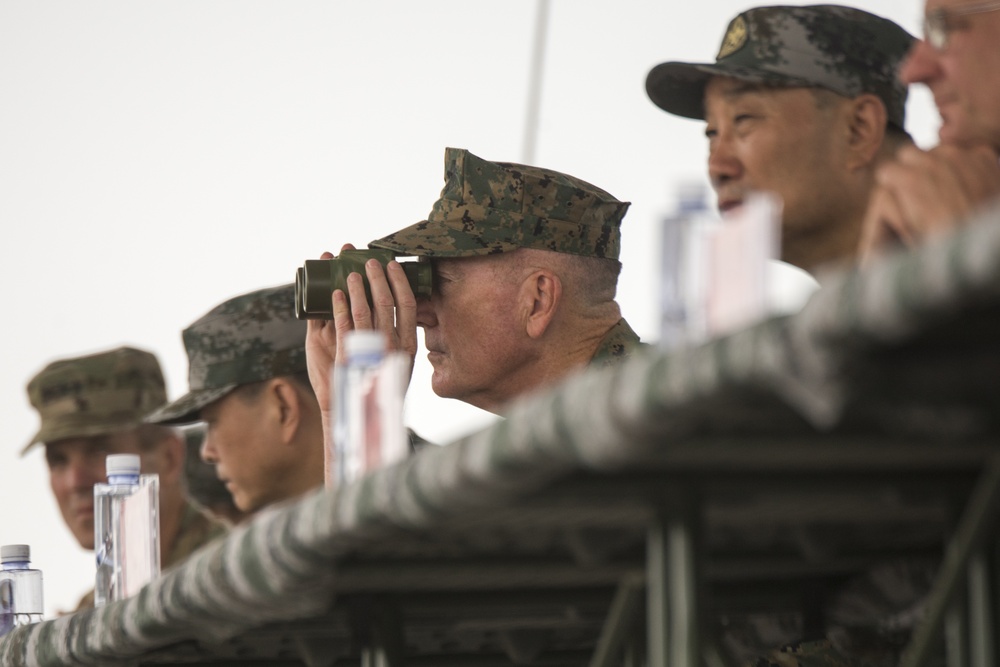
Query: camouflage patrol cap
247, 339
491, 207
842, 49
96, 394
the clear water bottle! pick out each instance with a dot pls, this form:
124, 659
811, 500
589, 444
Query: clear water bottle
356, 428
681, 266
126, 530
20, 587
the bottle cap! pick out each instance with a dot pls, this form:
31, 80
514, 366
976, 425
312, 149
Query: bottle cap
15, 553
122, 464
364, 342
692, 197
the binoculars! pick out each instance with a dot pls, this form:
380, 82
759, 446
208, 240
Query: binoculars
316, 280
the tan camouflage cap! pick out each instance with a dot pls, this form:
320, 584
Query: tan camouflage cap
842, 49
247, 339
490, 207
96, 394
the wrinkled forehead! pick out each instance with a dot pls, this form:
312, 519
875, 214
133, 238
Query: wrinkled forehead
730, 88
472, 262
722, 91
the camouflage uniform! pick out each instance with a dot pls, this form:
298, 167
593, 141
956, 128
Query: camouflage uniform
493, 207
849, 52
107, 393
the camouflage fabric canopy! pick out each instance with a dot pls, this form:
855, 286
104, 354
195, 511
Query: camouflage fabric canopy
898, 350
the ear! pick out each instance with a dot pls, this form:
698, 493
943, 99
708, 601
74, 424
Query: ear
288, 403
866, 130
541, 295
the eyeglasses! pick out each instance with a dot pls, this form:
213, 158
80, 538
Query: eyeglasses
939, 24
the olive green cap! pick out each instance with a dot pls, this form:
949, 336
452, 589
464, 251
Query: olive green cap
96, 394
842, 49
249, 338
491, 207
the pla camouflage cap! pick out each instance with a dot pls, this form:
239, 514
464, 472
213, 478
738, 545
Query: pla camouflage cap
492, 207
842, 49
249, 338
96, 394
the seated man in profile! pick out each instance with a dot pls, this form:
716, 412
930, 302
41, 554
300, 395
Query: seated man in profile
526, 267
923, 192
248, 384
93, 406
803, 102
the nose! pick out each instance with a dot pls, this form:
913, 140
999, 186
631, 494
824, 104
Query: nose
82, 477
920, 65
207, 451
426, 316
723, 164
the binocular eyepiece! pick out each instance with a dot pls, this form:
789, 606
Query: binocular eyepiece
316, 280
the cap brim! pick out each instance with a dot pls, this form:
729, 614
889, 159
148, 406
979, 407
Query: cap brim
186, 409
64, 432
444, 239
679, 88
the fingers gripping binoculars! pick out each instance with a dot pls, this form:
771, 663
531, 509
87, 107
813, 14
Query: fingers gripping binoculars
316, 280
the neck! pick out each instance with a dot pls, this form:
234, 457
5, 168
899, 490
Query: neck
835, 241
309, 474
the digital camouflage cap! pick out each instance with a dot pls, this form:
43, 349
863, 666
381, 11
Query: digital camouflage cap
247, 339
95, 394
492, 207
842, 49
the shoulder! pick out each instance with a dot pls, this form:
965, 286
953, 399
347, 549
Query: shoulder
197, 530
617, 344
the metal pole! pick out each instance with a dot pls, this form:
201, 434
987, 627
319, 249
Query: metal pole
976, 524
981, 648
535, 83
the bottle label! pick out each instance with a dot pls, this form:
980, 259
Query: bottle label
137, 556
368, 412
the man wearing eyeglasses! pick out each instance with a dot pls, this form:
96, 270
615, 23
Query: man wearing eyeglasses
922, 192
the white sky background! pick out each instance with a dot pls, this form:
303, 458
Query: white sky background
157, 158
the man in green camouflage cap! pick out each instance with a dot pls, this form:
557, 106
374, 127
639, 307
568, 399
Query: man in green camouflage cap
248, 383
93, 406
803, 102
525, 264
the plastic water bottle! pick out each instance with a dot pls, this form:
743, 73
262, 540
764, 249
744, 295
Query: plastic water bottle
355, 431
126, 530
20, 588
681, 269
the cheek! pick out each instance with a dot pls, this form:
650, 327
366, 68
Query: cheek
57, 482
758, 156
